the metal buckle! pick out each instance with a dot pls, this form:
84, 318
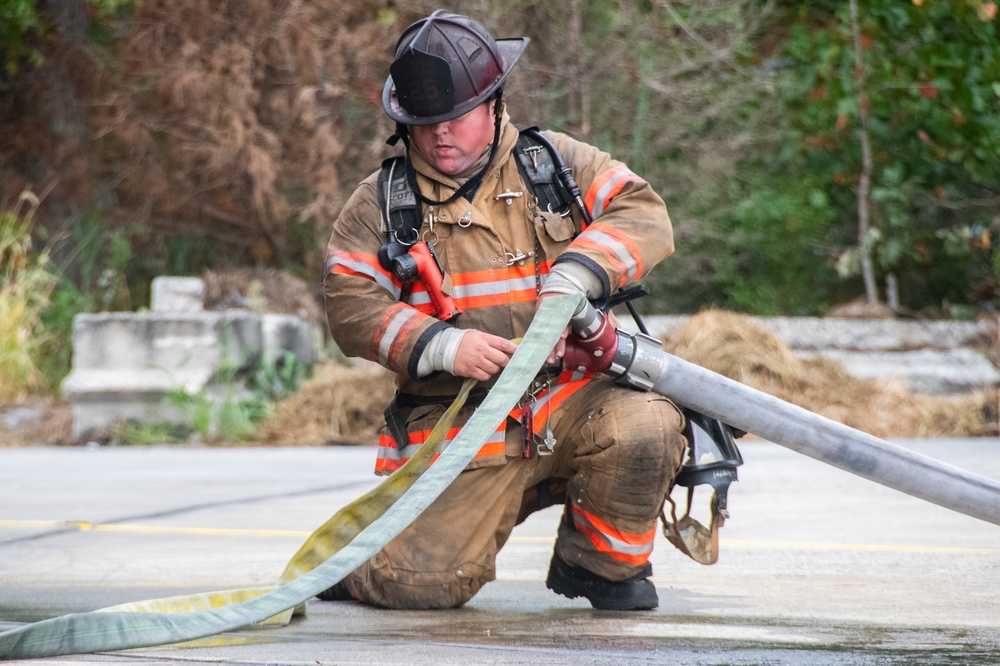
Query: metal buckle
517, 257
532, 152
508, 196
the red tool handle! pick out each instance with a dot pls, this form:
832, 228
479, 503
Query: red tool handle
429, 272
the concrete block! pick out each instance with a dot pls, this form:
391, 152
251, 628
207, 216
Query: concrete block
927, 371
177, 294
282, 333
126, 365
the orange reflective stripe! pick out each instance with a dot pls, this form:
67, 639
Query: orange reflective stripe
363, 265
605, 187
548, 401
616, 247
392, 332
390, 457
623, 546
483, 289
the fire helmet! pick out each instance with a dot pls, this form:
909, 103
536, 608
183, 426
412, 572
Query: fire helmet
445, 66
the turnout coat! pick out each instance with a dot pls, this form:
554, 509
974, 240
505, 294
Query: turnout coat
496, 252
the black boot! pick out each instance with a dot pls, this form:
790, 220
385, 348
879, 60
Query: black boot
338, 592
634, 593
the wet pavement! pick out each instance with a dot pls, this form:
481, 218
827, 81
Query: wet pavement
816, 567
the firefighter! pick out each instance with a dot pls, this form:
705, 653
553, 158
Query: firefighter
608, 454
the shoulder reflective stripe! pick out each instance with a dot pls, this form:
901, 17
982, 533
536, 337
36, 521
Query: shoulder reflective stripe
618, 248
392, 331
622, 546
364, 265
605, 187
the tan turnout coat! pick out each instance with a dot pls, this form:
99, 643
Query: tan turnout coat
487, 248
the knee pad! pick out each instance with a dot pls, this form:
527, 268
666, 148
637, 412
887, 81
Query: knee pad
632, 450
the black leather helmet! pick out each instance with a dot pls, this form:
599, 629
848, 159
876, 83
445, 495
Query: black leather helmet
445, 66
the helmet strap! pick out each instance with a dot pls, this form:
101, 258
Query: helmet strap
468, 189
401, 134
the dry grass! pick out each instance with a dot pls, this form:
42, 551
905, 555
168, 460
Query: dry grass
731, 345
25, 285
339, 405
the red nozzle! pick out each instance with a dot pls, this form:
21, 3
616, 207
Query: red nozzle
595, 352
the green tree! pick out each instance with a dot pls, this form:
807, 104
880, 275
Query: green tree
21, 23
932, 72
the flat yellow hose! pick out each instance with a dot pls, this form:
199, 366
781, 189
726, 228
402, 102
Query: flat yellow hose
347, 540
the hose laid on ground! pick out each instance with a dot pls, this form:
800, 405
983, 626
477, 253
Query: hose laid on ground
83, 633
326, 540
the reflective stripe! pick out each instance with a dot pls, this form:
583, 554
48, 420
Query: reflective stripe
391, 458
616, 247
483, 289
622, 546
605, 188
363, 265
549, 400
392, 331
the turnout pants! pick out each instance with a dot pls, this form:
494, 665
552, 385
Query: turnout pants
616, 454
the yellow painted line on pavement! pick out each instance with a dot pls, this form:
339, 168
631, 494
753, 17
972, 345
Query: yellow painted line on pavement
85, 526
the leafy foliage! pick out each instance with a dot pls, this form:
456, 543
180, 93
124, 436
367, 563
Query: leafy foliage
234, 408
933, 85
25, 285
20, 21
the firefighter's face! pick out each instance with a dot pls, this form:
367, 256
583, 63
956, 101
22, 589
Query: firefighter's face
453, 146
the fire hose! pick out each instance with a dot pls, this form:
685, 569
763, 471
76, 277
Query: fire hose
639, 361
635, 360
390, 508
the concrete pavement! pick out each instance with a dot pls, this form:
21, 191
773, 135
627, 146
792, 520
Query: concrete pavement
817, 566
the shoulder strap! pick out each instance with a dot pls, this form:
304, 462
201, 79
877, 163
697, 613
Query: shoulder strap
401, 212
537, 166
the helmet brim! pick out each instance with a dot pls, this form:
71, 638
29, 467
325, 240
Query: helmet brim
510, 49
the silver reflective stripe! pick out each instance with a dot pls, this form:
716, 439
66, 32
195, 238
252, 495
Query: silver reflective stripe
617, 545
494, 288
368, 271
389, 452
391, 331
536, 406
618, 248
601, 199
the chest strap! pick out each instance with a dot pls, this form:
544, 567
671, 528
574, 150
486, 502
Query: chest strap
536, 158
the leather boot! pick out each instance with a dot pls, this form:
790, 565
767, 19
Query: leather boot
634, 593
338, 592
